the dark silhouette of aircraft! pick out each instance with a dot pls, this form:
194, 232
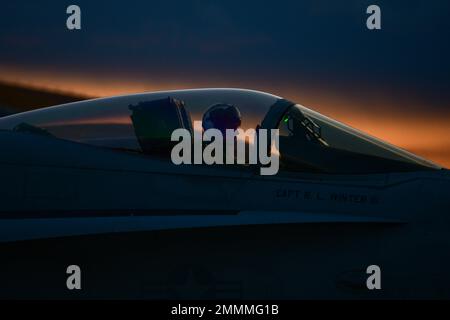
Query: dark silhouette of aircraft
93, 182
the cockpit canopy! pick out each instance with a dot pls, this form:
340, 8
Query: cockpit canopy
143, 123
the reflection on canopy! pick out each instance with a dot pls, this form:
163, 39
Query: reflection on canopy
107, 122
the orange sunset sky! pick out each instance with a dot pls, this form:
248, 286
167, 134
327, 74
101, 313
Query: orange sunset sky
376, 113
393, 82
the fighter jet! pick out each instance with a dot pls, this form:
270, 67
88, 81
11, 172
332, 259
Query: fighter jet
341, 201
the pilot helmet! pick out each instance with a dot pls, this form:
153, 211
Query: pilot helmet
221, 116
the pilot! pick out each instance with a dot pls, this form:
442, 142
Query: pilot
221, 116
